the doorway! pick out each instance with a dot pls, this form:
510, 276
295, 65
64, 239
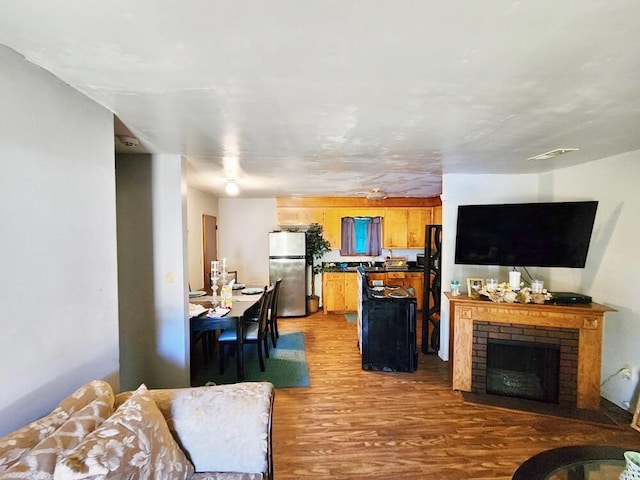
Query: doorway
209, 247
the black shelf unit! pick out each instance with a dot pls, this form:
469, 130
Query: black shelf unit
432, 289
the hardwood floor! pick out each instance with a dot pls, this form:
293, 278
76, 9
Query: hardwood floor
353, 424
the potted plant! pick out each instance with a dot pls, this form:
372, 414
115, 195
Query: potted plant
317, 246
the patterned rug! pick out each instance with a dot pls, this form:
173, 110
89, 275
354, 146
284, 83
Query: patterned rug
286, 366
351, 317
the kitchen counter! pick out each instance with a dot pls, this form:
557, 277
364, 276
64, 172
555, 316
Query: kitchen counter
384, 292
412, 267
339, 284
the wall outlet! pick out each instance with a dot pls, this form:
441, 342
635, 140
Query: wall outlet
170, 277
626, 372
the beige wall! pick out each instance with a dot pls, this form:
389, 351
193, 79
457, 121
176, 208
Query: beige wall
152, 271
244, 225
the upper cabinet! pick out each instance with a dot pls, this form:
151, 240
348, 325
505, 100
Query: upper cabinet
417, 218
403, 224
395, 229
332, 227
300, 216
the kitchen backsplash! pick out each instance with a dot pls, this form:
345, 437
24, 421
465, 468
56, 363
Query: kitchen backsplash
334, 256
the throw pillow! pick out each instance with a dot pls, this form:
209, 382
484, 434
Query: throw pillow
16, 444
224, 428
134, 442
39, 463
85, 395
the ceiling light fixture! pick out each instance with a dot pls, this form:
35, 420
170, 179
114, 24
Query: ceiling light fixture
553, 153
232, 187
128, 141
376, 194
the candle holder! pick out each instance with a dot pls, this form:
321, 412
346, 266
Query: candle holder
214, 288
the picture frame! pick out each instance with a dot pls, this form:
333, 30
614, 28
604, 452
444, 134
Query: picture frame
635, 423
474, 285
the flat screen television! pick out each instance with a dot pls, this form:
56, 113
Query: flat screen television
551, 234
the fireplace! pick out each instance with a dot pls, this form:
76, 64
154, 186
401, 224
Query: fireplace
577, 329
525, 361
527, 370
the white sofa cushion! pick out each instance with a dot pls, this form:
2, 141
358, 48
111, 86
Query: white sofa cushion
223, 428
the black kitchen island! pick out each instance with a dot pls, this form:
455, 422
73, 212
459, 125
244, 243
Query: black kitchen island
386, 327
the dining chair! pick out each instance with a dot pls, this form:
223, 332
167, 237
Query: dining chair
254, 333
272, 319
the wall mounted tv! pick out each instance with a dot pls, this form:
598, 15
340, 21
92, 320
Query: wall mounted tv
552, 234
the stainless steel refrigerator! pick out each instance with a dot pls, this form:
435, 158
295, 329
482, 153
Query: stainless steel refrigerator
287, 260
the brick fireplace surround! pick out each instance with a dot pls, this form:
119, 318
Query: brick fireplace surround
565, 338
586, 320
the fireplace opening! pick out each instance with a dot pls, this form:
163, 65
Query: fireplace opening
528, 370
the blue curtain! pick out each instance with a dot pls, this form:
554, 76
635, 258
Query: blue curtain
361, 236
361, 231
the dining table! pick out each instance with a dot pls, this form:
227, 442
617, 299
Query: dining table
244, 307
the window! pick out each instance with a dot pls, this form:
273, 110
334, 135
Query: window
361, 236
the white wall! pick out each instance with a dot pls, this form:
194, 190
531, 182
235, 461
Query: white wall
199, 203
152, 256
609, 275
243, 236
58, 287
470, 190
172, 353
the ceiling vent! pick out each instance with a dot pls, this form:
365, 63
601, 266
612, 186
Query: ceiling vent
376, 194
553, 153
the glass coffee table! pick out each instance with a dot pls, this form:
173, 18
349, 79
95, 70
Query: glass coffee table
589, 462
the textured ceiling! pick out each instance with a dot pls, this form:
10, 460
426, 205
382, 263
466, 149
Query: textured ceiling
339, 97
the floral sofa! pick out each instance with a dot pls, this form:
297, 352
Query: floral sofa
201, 433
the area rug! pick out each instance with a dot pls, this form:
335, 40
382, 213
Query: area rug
286, 366
351, 317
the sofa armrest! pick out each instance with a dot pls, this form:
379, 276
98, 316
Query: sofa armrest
222, 428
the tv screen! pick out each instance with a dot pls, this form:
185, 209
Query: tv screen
552, 234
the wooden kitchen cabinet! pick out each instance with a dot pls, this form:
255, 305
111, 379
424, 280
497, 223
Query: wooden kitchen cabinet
339, 292
405, 228
340, 289
415, 280
295, 216
437, 215
403, 224
396, 278
350, 292
333, 293
394, 228
332, 227
417, 219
